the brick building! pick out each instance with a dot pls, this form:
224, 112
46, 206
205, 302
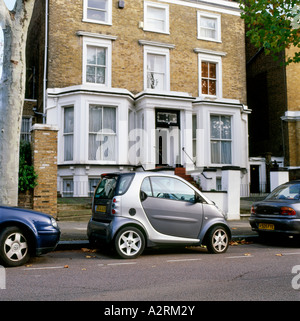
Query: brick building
274, 124
132, 83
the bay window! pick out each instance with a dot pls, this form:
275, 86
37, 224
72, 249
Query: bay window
221, 139
68, 133
102, 133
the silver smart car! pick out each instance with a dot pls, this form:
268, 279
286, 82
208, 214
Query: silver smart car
132, 211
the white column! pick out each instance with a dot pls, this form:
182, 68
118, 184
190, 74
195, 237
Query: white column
231, 180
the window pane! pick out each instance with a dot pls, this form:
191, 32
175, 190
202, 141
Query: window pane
68, 147
68, 120
212, 88
109, 119
208, 27
204, 69
95, 118
226, 127
215, 127
91, 55
102, 133
96, 65
226, 152
146, 187
97, 10
156, 19
101, 56
156, 65
212, 71
204, 86
100, 77
99, 4
172, 188
215, 152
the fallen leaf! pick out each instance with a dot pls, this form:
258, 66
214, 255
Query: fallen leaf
84, 269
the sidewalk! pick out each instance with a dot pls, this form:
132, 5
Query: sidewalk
73, 234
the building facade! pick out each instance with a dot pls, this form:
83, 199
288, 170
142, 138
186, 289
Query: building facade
274, 124
137, 85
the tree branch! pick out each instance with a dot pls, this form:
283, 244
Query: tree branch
4, 14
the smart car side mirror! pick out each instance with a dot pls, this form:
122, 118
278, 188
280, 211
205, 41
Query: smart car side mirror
143, 196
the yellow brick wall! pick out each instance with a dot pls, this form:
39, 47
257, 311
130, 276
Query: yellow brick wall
65, 48
44, 150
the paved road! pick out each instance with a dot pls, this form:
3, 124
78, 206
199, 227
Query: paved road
245, 272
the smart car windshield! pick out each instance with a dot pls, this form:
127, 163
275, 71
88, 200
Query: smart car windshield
111, 185
286, 191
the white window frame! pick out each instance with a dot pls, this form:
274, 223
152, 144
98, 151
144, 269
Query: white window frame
109, 14
231, 140
68, 133
101, 43
164, 7
218, 61
103, 132
162, 52
217, 17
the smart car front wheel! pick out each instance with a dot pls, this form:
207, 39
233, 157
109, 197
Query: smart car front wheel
129, 243
14, 247
217, 240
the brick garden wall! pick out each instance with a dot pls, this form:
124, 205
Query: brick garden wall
44, 151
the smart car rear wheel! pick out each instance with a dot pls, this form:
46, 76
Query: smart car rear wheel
218, 240
129, 243
14, 247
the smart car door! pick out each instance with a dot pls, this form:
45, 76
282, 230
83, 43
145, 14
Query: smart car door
172, 207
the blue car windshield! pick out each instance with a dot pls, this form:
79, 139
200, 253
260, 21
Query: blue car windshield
285, 191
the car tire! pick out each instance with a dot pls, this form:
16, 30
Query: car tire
14, 247
217, 240
129, 243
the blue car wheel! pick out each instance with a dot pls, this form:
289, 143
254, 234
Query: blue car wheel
14, 246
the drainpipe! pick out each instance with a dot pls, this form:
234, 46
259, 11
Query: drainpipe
45, 62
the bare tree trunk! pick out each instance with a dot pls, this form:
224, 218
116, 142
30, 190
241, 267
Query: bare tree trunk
12, 89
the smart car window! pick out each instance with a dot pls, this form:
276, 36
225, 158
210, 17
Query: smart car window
124, 183
172, 188
146, 187
106, 187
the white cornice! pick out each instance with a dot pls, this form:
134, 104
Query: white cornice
221, 6
95, 35
156, 44
210, 52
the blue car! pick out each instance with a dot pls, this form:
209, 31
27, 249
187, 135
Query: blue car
25, 233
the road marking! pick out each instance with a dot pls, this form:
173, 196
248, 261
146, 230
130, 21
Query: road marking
116, 264
238, 257
183, 260
295, 253
46, 268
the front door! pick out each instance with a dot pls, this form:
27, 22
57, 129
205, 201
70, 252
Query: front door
167, 138
172, 207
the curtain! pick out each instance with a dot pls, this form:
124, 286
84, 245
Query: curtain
68, 133
208, 27
156, 66
102, 133
220, 133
